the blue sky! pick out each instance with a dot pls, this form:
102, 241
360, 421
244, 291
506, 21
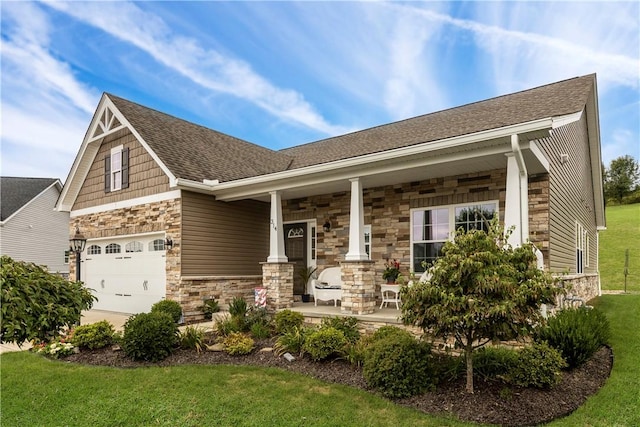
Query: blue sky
280, 74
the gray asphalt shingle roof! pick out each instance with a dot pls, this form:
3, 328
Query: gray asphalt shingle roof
17, 192
194, 152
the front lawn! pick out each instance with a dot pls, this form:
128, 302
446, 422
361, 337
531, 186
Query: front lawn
36, 391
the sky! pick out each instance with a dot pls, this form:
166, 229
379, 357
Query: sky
280, 74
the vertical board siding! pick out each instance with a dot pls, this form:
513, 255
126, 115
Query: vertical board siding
223, 238
570, 196
38, 234
145, 176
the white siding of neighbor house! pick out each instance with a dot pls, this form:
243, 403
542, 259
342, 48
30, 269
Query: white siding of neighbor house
37, 233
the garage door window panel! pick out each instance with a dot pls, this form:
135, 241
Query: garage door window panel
156, 245
133, 247
112, 248
94, 250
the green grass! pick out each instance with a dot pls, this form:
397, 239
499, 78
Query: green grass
39, 392
618, 402
623, 232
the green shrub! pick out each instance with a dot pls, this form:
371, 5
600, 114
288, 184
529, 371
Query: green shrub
192, 338
291, 341
447, 367
238, 307
258, 316
398, 366
286, 320
324, 342
37, 305
494, 362
354, 353
149, 336
387, 331
260, 331
577, 333
348, 326
94, 336
172, 308
225, 325
537, 366
237, 343
209, 306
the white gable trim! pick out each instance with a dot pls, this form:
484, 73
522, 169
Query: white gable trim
160, 197
57, 184
106, 120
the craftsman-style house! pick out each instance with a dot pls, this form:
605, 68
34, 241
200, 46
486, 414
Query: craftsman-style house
175, 210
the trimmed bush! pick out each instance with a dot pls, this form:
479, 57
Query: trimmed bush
324, 342
537, 366
149, 336
494, 362
398, 366
291, 341
348, 326
286, 320
93, 336
238, 343
390, 331
577, 333
192, 338
172, 308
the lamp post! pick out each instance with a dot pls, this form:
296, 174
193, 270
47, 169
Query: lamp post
77, 244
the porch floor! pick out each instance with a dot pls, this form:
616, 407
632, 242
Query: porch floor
389, 315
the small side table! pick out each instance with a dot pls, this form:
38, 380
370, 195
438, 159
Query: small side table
390, 293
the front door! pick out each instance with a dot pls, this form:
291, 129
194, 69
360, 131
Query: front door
295, 247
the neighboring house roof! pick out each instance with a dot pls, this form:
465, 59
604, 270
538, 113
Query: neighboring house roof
15, 193
552, 100
194, 152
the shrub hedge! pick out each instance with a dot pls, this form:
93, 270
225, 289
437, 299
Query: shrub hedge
149, 336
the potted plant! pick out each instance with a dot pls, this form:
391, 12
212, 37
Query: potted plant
306, 273
391, 271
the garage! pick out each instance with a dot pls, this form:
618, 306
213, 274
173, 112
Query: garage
126, 274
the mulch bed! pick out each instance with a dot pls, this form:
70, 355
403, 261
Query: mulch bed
492, 402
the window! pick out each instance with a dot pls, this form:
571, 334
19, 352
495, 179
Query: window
313, 243
116, 169
431, 228
66, 256
367, 240
156, 245
581, 248
112, 248
94, 250
133, 247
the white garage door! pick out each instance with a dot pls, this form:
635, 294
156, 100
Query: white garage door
127, 274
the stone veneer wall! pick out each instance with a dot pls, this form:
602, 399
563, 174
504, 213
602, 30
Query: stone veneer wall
192, 291
277, 278
387, 209
585, 286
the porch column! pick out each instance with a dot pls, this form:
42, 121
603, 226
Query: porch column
276, 234
356, 224
517, 195
358, 287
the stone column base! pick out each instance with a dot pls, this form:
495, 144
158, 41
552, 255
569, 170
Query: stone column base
358, 287
277, 278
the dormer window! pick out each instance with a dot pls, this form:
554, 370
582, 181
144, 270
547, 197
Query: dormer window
116, 169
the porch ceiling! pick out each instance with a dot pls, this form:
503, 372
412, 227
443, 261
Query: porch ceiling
477, 157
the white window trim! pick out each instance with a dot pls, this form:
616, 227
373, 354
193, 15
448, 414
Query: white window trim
582, 245
116, 151
367, 231
452, 220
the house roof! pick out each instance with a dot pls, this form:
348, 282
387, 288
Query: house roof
552, 100
195, 152
17, 192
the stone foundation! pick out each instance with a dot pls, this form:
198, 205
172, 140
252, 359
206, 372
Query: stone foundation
584, 286
192, 291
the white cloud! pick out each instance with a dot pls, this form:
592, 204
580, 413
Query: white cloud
206, 67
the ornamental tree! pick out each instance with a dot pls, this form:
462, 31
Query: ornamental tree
36, 304
481, 290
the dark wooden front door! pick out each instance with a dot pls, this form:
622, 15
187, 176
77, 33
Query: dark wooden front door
295, 247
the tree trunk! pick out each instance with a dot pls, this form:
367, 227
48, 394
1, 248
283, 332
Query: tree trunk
469, 357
